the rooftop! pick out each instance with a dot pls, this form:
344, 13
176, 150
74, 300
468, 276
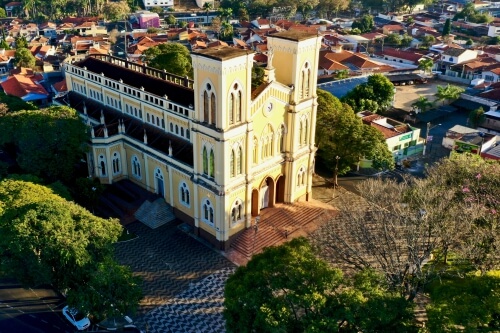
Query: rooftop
294, 35
223, 52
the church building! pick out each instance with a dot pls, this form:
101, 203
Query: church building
215, 149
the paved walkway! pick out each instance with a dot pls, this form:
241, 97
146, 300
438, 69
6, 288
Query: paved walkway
183, 279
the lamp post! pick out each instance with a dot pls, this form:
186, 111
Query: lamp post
428, 128
335, 183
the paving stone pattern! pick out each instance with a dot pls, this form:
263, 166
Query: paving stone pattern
183, 279
198, 309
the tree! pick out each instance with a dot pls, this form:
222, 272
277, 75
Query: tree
479, 304
330, 8
288, 289
393, 39
243, 14
227, 31
207, 6
110, 291
428, 40
156, 9
257, 76
365, 24
48, 240
340, 133
476, 117
3, 13
24, 58
471, 14
422, 104
392, 232
115, 11
448, 92
49, 142
446, 28
378, 89
170, 19
225, 14
172, 57
21, 42
406, 40
425, 64
14, 103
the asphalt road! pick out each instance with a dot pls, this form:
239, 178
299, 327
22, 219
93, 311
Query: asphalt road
30, 310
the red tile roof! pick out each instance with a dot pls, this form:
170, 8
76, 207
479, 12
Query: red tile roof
60, 86
22, 85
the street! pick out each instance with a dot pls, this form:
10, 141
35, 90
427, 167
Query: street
30, 310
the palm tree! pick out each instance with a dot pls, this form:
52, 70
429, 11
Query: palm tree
426, 64
422, 104
208, 6
225, 13
448, 93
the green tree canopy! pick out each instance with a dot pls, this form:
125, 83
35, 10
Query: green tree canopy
447, 28
14, 103
172, 57
422, 104
470, 13
49, 142
24, 58
339, 132
393, 39
365, 24
448, 92
476, 117
378, 89
288, 289
115, 11
425, 64
48, 240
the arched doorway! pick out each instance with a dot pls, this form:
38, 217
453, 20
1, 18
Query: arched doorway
255, 202
266, 193
280, 189
159, 184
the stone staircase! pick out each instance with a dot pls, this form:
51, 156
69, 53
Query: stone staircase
155, 214
279, 223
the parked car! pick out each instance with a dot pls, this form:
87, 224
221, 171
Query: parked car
77, 319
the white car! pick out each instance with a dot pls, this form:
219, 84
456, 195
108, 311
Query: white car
77, 319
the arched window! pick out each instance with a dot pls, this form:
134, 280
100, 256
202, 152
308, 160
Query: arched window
176, 129
159, 183
184, 194
305, 130
207, 212
301, 177
301, 133
116, 163
205, 161
188, 134
267, 140
182, 131
102, 166
205, 107
238, 106
213, 109
231, 164
211, 165
237, 212
308, 79
255, 150
302, 84
171, 127
231, 109
136, 167
282, 139
239, 161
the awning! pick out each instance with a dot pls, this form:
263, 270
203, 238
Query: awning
469, 105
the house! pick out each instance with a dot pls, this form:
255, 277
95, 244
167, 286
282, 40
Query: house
13, 8
402, 139
452, 57
393, 29
26, 85
91, 29
59, 89
7, 59
164, 4
464, 139
215, 149
400, 56
261, 23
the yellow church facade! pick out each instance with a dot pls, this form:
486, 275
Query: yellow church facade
215, 149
